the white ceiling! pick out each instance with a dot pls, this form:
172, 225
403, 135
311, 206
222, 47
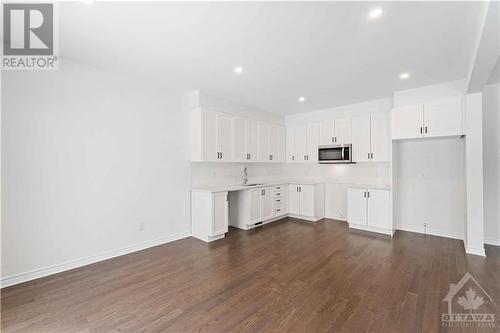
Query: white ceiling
328, 52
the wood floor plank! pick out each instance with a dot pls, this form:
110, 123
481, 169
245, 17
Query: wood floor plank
287, 276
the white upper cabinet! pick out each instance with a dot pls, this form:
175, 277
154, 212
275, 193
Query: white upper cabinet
210, 136
407, 122
380, 138
443, 118
221, 137
290, 144
336, 131
343, 131
264, 142
361, 139
327, 132
371, 139
225, 137
240, 153
430, 119
252, 140
277, 143
217, 136
312, 143
300, 143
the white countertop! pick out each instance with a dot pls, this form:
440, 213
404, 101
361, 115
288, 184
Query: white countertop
239, 187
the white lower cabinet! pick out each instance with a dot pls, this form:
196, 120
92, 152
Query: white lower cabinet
209, 215
256, 206
370, 210
307, 201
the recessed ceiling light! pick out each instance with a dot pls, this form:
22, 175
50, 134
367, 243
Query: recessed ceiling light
238, 70
404, 76
302, 99
374, 13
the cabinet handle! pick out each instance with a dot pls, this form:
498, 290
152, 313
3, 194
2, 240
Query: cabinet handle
368, 194
293, 158
368, 155
371, 156
421, 130
333, 139
425, 129
221, 155
300, 189
278, 210
262, 192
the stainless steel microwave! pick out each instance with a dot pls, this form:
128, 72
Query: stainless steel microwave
335, 154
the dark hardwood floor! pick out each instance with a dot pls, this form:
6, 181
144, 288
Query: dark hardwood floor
288, 276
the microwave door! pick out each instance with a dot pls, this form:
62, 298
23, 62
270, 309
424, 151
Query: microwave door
331, 155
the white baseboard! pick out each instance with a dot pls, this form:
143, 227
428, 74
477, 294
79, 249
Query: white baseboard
388, 232
41, 272
492, 241
429, 231
478, 251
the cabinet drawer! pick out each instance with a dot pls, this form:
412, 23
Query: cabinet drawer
278, 200
279, 210
278, 193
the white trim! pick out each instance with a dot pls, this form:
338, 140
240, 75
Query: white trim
307, 218
475, 251
492, 241
41, 272
383, 231
429, 231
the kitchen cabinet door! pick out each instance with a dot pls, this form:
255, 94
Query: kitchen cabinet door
301, 143
225, 137
343, 131
266, 203
252, 140
306, 200
380, 138
356, 206
220, 214
264, 139
210, 133
361, 139
378, 209
279, 144
255, 195
312, 143
407, 122
443, 118
327, 133
239, 139
294, 200
290, 144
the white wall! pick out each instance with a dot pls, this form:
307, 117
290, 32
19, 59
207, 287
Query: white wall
94, 165
430, 173
491, 163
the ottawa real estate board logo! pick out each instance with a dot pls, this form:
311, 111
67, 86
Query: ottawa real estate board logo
469, 305
29, 36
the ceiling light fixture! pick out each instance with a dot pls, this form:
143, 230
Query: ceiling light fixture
238, 70
404, 76
302, 99
374, 13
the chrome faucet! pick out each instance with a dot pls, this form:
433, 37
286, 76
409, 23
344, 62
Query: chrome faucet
245, 176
